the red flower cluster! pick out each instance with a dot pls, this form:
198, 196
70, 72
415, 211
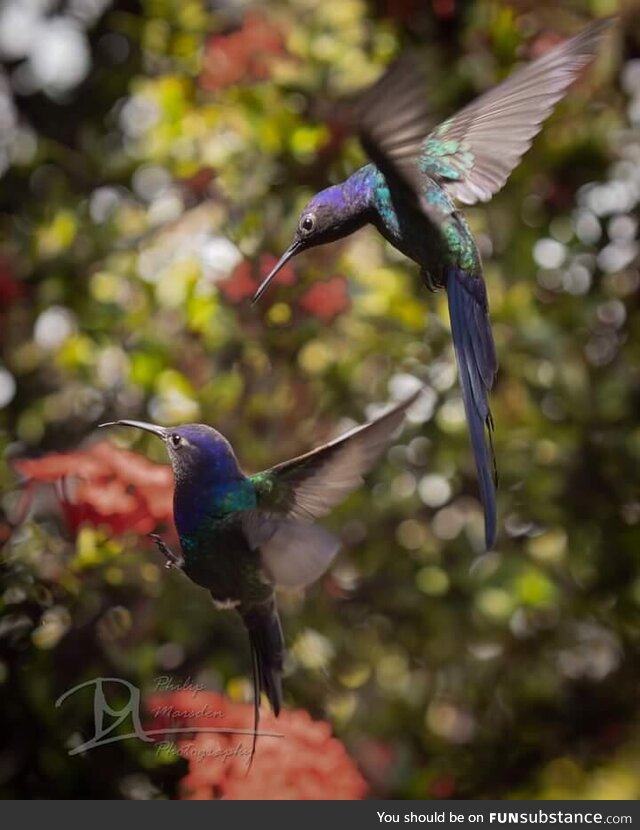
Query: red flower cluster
305, 763
325, 299
242, 55
106, 487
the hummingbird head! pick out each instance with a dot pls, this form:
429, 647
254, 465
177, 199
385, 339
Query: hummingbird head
196, 451
328, 216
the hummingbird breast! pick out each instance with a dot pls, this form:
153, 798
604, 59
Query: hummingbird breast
218, 557
433, 233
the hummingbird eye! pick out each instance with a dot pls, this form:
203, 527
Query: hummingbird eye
307, 223
175, 439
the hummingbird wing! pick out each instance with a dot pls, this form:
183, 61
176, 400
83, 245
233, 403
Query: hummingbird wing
309, 486
292, 495
393, 116
473, 153
293, 554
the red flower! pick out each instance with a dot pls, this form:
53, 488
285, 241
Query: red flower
241, 284
105, 486
326, 300
286, 275
242, 55
305, 763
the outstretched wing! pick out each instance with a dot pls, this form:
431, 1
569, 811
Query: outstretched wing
473, 153
292, 495
293, 554
309, 486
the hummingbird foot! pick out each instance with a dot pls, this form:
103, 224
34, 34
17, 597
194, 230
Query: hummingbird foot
173, 560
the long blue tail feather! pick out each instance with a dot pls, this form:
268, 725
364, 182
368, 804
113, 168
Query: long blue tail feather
267, 655
477, 366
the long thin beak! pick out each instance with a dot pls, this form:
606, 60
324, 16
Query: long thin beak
291, 251
161, 432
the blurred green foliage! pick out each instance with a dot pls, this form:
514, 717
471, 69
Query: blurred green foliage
127, 205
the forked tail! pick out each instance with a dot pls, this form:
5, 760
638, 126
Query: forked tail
267, 657
477, 367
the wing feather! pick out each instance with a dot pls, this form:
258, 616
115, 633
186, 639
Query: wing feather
473, 153
484, 142
309, 486
291, 496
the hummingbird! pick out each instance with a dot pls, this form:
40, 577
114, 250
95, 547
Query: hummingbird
242, 536
409, 190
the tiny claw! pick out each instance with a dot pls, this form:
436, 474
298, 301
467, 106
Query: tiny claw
171, 559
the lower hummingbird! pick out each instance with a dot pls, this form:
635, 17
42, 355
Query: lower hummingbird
409, 190
242, 536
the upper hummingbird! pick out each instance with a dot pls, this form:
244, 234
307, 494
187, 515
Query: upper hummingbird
409, 190
244, 535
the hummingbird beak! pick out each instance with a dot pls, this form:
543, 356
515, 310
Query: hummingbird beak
160, 432
291, 251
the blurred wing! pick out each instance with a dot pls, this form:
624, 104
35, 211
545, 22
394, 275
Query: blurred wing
293, 554
392, 117
309, 486
473, 153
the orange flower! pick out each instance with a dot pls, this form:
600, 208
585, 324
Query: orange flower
305, 763
106, 487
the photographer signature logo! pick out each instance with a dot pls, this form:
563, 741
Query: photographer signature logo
108, 719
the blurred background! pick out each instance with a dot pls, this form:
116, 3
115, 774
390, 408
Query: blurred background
154, 155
